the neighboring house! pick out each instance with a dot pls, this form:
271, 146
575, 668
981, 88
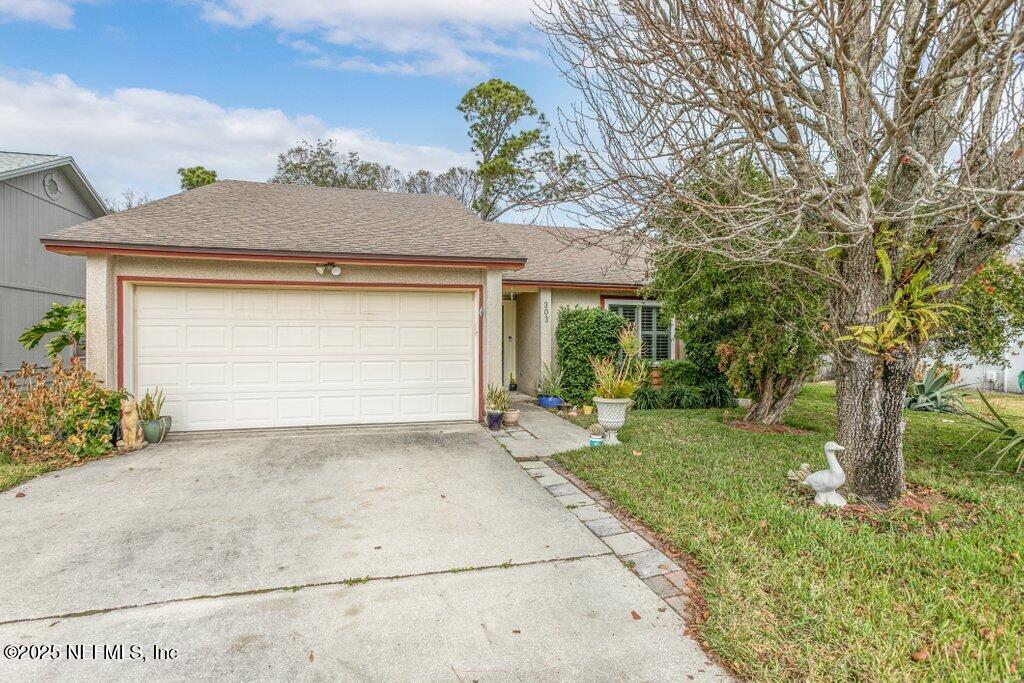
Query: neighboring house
265, 305
39, 193
975, 375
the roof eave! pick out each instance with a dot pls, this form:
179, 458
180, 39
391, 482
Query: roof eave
72, 247
565, 284
82, 183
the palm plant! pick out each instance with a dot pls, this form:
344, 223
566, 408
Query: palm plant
66, 322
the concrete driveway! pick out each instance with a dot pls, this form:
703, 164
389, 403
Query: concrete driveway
377, 553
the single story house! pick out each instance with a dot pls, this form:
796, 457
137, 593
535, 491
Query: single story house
39, 193
268, 305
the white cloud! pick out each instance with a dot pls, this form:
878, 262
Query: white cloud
55, 13
137, 138
431, 37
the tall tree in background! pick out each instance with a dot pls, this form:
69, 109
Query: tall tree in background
196, 176
516, 166
892, 135
319, 164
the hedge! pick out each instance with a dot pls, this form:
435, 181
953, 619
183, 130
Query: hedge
581, 334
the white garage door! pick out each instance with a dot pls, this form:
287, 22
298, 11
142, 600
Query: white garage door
253, 357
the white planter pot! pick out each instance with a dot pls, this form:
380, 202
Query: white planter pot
611, 412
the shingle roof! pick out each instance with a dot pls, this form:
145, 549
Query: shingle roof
576, 256
241, 216
14, 161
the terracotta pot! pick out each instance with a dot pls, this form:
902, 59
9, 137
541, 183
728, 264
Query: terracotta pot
510, 418
656, 377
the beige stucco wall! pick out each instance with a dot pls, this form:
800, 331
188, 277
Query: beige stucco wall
536, 322
101, 295
528, 361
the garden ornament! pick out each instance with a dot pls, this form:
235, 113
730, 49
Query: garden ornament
131, 428
827, 481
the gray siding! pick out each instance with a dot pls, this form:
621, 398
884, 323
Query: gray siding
30, 277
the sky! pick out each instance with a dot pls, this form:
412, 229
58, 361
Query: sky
134, 89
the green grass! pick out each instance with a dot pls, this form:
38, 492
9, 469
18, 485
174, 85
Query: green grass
794, 591
12, 474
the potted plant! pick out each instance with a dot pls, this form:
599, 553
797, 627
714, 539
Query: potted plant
495, 405
615, 381
597, 433
510, 418
512, 386
549, 388
154, 425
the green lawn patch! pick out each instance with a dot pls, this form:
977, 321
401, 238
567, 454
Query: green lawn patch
930, 590
12, 474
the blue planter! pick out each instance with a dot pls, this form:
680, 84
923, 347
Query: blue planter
549, 401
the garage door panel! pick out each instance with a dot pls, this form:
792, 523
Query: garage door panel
160, 375
261, 358
332, 338
159, 337
373, 338
251, 304
298, 337
207, 375
207, 338
252, 337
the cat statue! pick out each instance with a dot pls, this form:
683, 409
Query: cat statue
131, 427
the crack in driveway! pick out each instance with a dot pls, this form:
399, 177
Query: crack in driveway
350, 581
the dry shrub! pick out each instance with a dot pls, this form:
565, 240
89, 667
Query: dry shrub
58, 414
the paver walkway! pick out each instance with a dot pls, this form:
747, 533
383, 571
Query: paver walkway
539, 434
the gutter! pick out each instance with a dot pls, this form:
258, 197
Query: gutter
86, 248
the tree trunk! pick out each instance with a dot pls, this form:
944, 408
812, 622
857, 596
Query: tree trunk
869, 397
775, 395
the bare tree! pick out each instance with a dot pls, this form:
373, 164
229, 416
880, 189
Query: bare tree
129, 200
892, 133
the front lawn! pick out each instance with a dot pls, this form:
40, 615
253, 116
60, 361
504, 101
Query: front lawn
794, 591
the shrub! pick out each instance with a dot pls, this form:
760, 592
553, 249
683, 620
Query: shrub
582, 334
687, 372
61, 414
682, 397
717, 394
647, 398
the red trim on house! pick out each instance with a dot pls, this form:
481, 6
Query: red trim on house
306, 257
605, 297
209, 282
569, 285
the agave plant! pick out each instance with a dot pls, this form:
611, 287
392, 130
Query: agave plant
1008, 440
933, 393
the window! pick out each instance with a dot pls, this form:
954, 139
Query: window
654, 330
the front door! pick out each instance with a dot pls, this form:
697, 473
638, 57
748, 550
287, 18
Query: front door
508, 340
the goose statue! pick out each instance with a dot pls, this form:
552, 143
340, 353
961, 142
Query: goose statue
827, 481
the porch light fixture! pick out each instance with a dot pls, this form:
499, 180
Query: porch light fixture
331, 269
